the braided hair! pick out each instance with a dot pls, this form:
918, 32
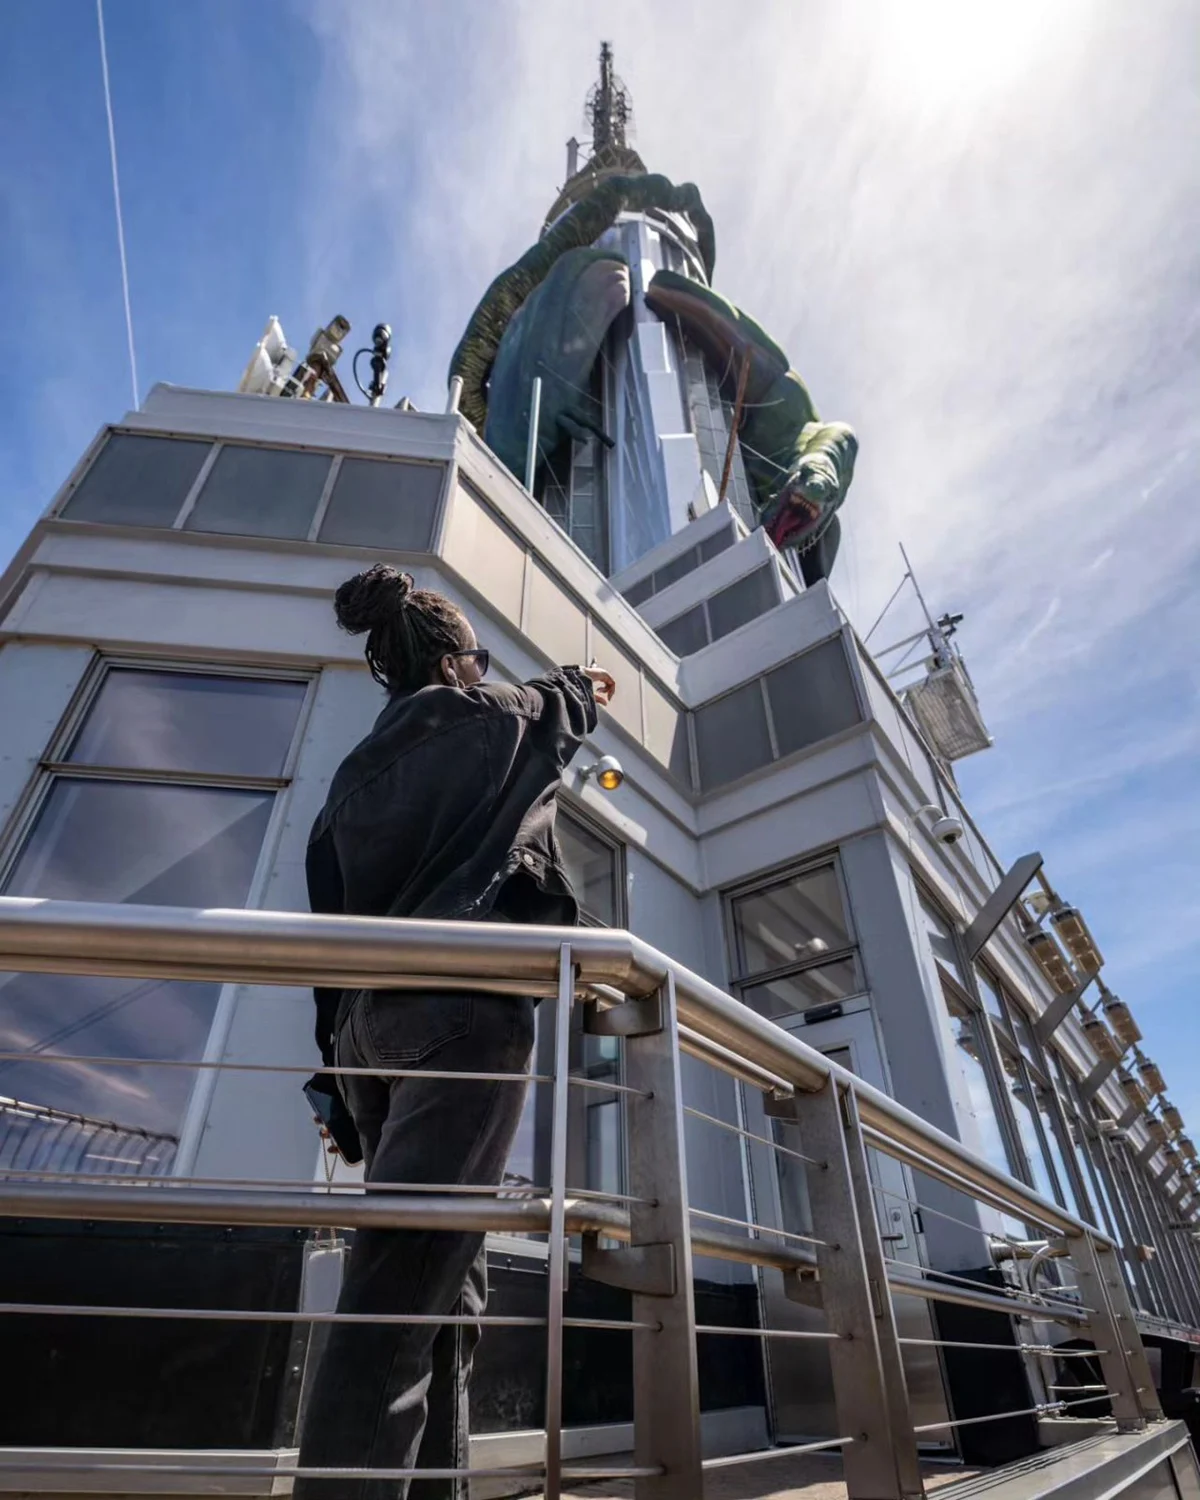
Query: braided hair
408, 629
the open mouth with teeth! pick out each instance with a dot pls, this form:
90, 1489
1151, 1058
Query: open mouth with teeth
798, 522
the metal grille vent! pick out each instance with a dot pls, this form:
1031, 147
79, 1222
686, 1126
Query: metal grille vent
945, 707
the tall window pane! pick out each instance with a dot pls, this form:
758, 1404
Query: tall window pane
592, 866
595, 1149
981, 1128
1021, 1094
800, 918
138, 481
169, 841
180, 721
117, 841
820, 986
261, 492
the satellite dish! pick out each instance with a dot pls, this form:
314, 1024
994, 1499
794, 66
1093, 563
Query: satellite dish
270, 365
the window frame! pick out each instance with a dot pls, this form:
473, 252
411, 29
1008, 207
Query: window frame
740, 981
335, 454
536, 1246
53, 763
53, 766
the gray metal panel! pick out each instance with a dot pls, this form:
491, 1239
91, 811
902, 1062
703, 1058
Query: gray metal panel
667, 732
138, 481
686, 633
261, 492
812, 697
743, 601
558, 625
377, 503
732, 737
720, 541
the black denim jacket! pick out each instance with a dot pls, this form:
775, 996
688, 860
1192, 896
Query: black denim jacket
446, 811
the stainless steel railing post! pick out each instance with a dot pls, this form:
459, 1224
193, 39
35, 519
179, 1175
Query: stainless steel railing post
880, 1460
558, 1222
1122, 1355
657, 1265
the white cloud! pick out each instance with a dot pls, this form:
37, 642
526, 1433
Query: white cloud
972, 230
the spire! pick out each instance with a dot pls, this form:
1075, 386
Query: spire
609, 108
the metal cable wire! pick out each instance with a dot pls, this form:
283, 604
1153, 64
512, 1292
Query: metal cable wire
750, 1135
264, 1315
1042, 1350
1045, 1409
829, 1445
290, 1471
922, 1208
980, 1286
757, 1230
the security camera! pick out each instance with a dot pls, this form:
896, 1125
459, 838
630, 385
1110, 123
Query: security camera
942, 827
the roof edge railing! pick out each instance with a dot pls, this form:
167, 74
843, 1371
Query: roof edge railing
298, 948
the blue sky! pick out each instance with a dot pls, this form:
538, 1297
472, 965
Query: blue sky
973, 228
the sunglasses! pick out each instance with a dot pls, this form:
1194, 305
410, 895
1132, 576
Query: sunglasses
480, 656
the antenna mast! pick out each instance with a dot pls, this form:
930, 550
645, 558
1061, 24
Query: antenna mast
609, 108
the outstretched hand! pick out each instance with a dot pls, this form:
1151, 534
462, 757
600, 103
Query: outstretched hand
603, 685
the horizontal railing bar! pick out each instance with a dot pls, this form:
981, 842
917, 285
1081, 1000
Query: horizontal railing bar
924, 1208
261, 1471
1047, 1408
1038, 1349
1101, 1388
346, 1187
605, 1086
302, 949
313, 1210
236, 1067
755, 1333
344, 1211
913, 1156
259, 1315
749, 1135
757, 1229
917, 1286
699, 1047
728, 1461
1034, 1299
332, 1187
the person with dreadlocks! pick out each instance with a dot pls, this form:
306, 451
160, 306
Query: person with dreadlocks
444, 811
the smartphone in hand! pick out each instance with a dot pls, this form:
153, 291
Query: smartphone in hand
330, 1108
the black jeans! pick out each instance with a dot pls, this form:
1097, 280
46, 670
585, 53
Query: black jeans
395, 1396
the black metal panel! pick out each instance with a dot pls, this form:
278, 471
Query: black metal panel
138, 481
812, 697
148, 1383
261, 492
685, 633
387, 504
982, 1381
508, 1385
752, 595
731, 736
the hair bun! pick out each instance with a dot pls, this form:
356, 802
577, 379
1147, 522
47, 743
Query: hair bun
371, 598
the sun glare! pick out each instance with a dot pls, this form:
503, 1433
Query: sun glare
945, 51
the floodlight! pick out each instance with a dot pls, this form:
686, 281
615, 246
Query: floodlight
1120, 1018
1051, 961
607, 773
1068, 923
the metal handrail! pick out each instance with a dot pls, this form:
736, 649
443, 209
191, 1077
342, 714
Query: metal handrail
296, 948
841, 1118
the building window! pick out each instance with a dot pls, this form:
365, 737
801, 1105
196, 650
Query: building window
159, 794
595, 1133
1037, 1110
792, 944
